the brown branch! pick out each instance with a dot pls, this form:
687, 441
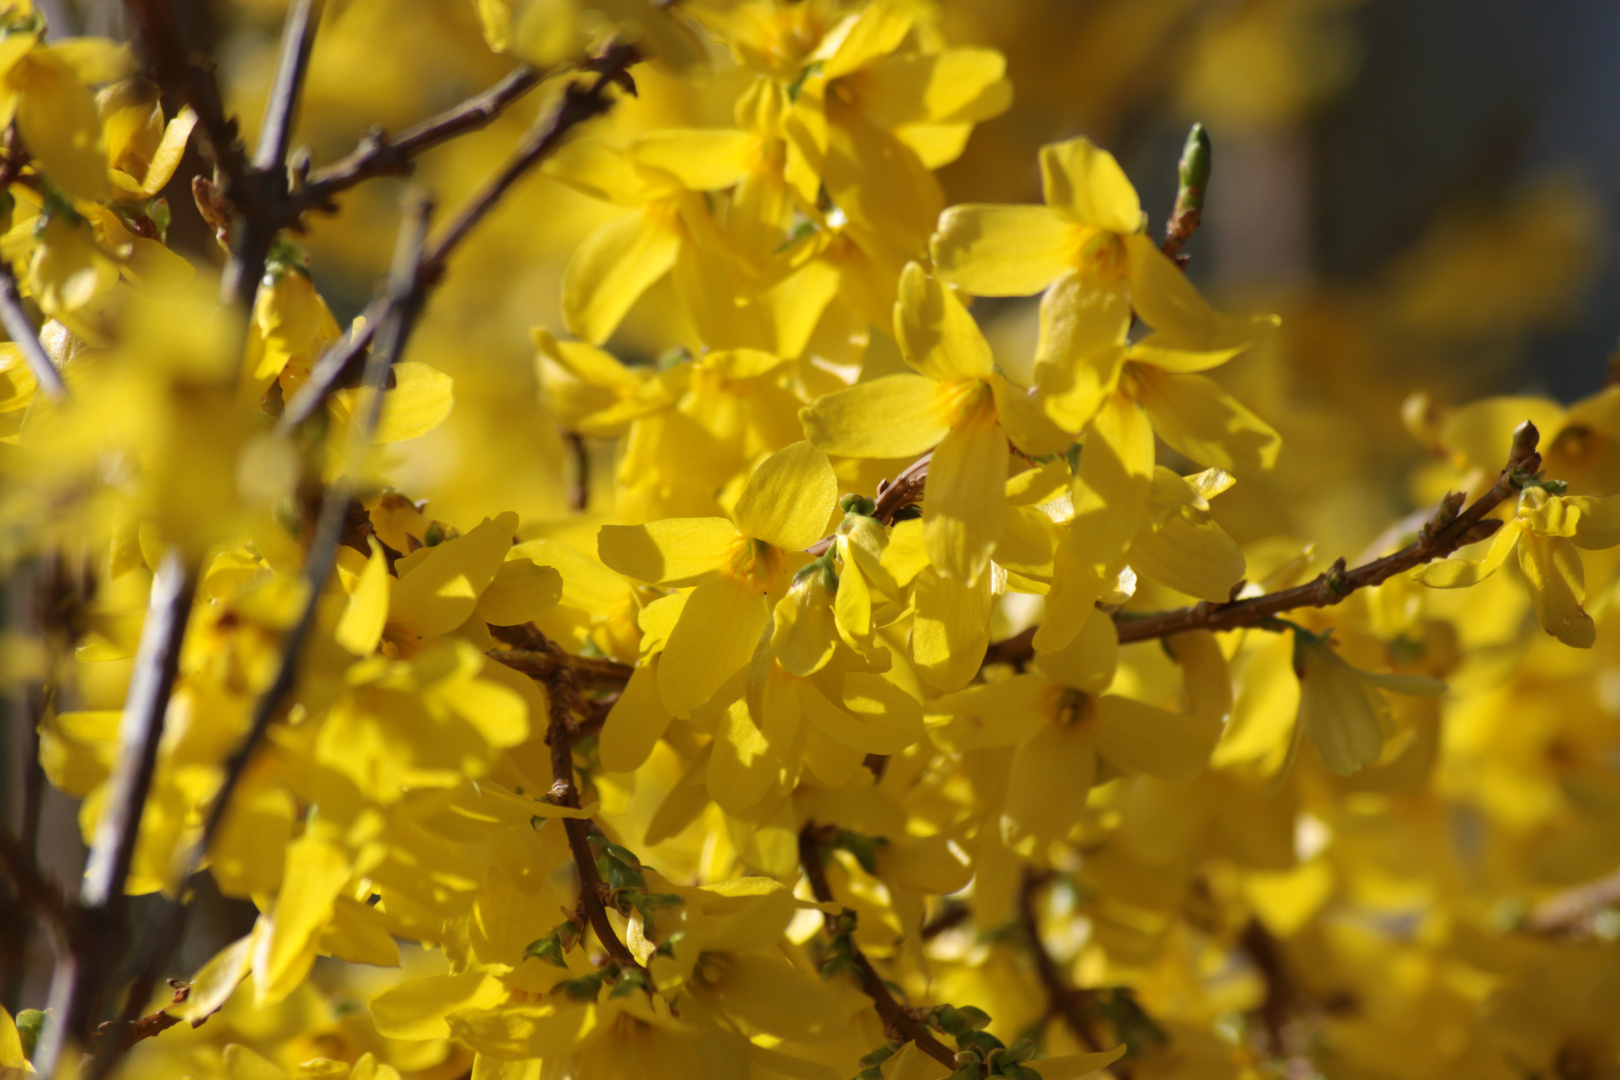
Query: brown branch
579, 491
896, 1019
1193, 174
117, 1037
20, 328
378, 155
593, 892
578, 104
542, 665
404, 301
1571, 913
95, 939
906, 490
1446, 531
1074, 1004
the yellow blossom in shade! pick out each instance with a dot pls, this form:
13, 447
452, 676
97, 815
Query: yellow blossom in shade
737, 566
1179, 545
46, 89
142, 151
870, 121
1063, 723
958, 404
1548, 530
1341, 709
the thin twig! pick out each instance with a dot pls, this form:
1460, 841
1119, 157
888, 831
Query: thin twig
1572, 912
117, 1036
21, 330
560, 693
1070, 1002
380, 155
96, 940
895, 1017
543, 665
404, 301
892, 497
261, 195
577, 105
1446, 531
579, 489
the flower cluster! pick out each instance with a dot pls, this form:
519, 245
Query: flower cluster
912, 701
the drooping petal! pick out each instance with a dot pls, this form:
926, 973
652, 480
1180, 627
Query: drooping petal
1077, 585
803, 633
439, 593
1205, 676
1182, 320
1000, 713
748, 753
789, 498
1025, 421
1190, 554
716, 636
1552, 566
950, 630
1198, 418
870, 713
1112, 482
1460, 573
937, 336
1599, 524
1338, 712
520, 593
957, 85
890, 417
1082, 316
636, 721
1087, 663
361, 625
673, 551
1003, 250
612, 268
873, 35
1051, 773
1087, 185
1142, 738
967, 500
879, 181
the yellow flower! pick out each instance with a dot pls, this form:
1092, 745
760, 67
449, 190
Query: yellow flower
737, 567
142, 151
46, 88
1549, 531
1063, 724
956, 403
1340, 708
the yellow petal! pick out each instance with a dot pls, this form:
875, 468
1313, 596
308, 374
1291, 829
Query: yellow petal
1076, 1066
243, 1064
1460, 573
1338, 712
1082, 316
1191, 554
955, 85
1182, 319
1024, 419
612, 268
716, 636
440, 593
1205, 675
519, 593
967, 499
747, 755
418, 402
316, 870
703, 159
361, 625
803, 634
874, 34
216, 981
1599, 523
1077, 585
167, 157
789, 498
937, 336
879, 181
872, 715
950, 630
1087, 185
1141, 738
890, 417
1051, 773
672, 551
1003, 250
772, 996
1086, 663
635, 723
58, 120
1198, 418
1552, 566
416, 1009
1111, 485
1000, 713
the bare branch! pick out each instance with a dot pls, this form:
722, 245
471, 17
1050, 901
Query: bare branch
1073, 1004
297, 41
21, 330
894, 1015
76, 991
906, 490
379, 155
404, 301
578, 104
